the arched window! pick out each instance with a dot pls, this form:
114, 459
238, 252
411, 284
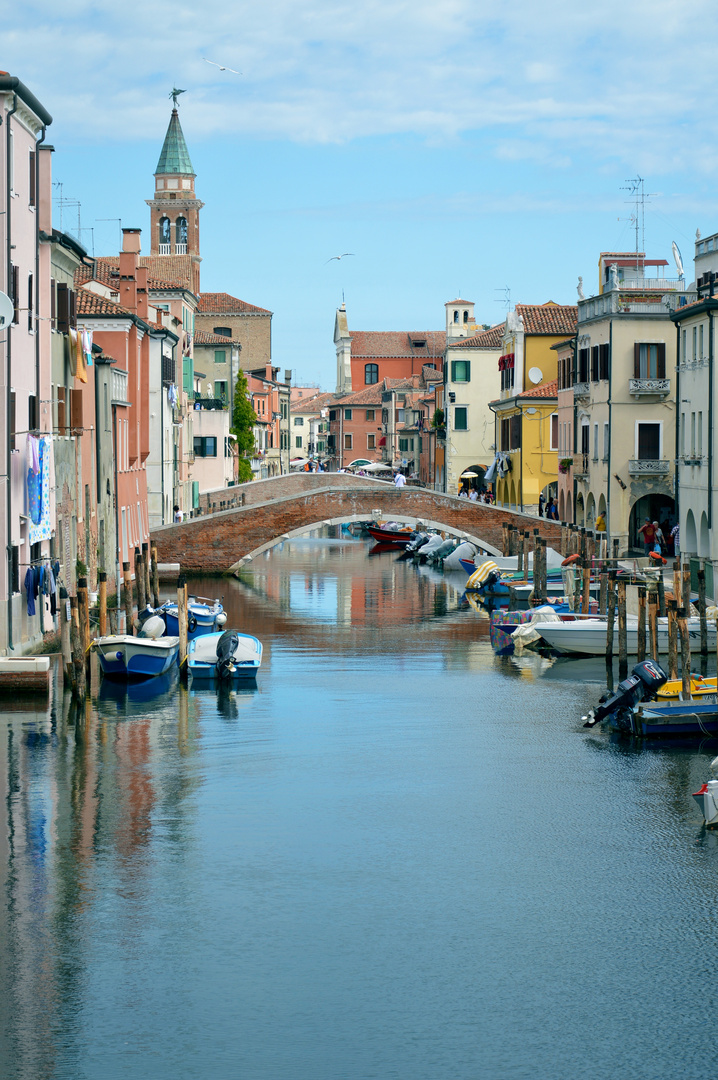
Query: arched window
181, 235
371, 374
165, 231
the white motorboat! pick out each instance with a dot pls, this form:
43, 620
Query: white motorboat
227, 656
587, 637
127, 657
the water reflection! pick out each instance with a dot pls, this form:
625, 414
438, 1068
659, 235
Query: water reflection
392, 852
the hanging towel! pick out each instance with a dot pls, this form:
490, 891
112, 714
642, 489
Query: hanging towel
81, 370
33, 447
29, 590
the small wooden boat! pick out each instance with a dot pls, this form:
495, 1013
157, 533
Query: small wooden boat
224, 657
124, 657
675, 719
398, 537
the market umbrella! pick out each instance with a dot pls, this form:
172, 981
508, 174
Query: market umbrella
377, 466
469, 475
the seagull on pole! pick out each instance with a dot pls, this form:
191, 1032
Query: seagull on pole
221, 68
338, 257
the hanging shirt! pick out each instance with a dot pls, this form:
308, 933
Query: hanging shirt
86, 336
30, 590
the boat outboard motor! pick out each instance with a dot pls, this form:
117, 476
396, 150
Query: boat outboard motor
445, 549
417, 541
153, 627
225, 654
644, 682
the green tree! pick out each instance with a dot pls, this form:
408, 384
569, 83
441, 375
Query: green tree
243, 420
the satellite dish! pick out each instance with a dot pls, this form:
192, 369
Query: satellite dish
7, 310
678, 259
535, 375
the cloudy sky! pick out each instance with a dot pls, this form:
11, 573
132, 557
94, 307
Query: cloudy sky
454, 146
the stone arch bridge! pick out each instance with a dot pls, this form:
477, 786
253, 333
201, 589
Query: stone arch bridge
267, 511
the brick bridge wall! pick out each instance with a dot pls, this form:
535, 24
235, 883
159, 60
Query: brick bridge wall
215, 544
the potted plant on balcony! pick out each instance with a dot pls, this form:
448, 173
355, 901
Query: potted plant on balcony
565, 464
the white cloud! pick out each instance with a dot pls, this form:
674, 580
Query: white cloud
625, 81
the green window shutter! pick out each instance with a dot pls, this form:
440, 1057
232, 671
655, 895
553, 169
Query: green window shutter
461, 422
195, 494
220, 356
461, 371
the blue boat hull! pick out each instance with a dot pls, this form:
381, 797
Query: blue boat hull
204, 620
202, 658
683, 719
124, 657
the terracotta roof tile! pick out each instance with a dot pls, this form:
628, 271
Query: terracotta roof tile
221, 303
396, 343
485, 339
370, 395
163, 271
548, 318
203, 337
546, 390
89, 303
313, 404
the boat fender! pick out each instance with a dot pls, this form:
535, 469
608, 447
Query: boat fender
191, 624
118, 654
570, 559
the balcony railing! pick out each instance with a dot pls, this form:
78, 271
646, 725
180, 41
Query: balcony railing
209, 402
648, 467
657, 387
621, 302
165, 249
651, 284
180, 249
119, 387
580, 465
581, 389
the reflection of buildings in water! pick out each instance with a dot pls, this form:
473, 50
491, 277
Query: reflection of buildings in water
77, 796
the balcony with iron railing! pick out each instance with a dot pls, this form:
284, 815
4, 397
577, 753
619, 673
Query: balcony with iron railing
648, 467
654, 387
581, 389
201, 402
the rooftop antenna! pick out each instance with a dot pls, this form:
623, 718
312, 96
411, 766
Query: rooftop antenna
637, 190
506, 298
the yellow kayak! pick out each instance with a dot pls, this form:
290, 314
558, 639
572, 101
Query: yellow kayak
699, 687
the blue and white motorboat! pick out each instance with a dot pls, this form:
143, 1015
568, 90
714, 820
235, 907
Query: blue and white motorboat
125, 657
224, 657
203, 617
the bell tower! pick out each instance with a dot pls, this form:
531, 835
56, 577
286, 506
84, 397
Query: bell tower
174, 211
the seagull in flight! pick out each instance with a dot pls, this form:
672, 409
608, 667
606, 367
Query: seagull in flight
221, 68
338, 257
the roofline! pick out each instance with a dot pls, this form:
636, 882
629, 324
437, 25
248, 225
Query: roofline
514, 401
708, 303
69, 242
11, 84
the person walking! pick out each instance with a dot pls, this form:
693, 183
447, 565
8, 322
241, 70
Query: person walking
648, 532
542, 500
399, 480
552, 510
659, 540
601, 522
676, 534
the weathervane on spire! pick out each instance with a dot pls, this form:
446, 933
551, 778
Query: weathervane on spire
174, 94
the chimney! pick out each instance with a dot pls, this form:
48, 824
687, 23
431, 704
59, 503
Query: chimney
131, 240
269, 372
142, 295
129, 263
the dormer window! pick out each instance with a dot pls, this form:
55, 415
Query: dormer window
420, 344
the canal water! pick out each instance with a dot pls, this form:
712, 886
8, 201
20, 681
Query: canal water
400, 857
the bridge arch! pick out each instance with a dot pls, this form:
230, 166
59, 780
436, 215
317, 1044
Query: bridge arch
217, 542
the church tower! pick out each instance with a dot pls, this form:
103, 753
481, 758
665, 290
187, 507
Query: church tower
174, 211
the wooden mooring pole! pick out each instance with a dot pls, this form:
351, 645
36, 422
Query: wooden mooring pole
603, 590
672, 641
622, 634
146, 567
129, 627
641, 648
526, 555
182, 622
610, 616
702, 609
661, 594
653, 622
65, 636
685, 654
83, 617
155, 578
79, 683
102, 599
140, 581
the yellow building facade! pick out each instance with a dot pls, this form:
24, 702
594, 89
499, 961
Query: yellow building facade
526, 414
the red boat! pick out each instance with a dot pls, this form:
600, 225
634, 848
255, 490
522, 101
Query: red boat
390, 536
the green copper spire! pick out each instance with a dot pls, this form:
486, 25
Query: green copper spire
174, 158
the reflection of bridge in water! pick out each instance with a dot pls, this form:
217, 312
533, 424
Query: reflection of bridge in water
273, 511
